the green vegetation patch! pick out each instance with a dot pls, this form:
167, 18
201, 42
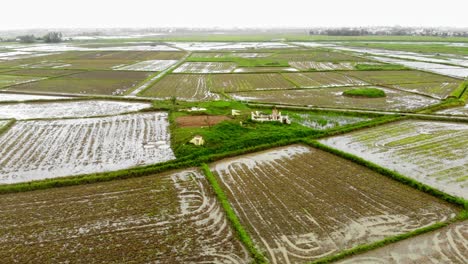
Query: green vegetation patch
367, 92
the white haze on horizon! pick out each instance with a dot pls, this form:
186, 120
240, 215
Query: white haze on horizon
24, 14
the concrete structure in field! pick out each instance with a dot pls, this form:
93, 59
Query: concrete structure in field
275, 116
197, 140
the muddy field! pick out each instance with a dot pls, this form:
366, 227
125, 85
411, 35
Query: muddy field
7, 80
206, 67
150, 65
446, 245
166, 218
332, 97
301, 204
249, 82
7, 97
322, 79
33, 150
190, 87
199, 121
91, 82
68, 109
433, 153
322, 66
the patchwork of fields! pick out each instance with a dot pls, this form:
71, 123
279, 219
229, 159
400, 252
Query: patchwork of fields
103, 145
302, 204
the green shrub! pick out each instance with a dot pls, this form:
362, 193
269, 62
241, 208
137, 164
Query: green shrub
365, 92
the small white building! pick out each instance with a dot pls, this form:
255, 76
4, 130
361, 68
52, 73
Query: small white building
275, 116
197, 140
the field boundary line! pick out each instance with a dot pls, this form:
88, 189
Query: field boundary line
7, 126
242, 234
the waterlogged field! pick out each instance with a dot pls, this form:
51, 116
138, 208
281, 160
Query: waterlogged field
300, 204
41, 72
7, 80
214, 46
247, 82
34, 150
433, 153
322, 66
9, 97
462, 111
21, 111
150, 65
399, 77
3, 123
436, 90
446, 245
190, 87
333, 98
167, 218
91, 82
322, 121
319, 56
322, 79
206, 67
265, 69
230, 54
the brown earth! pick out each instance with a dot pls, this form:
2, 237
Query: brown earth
199, 120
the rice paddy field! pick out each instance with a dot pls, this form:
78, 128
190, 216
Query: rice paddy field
8, 97
147, 150
21, 111
322, 79
182, 86
333, 98
430, 152
302, 204
247, 82
92, 82
169, 218
447, 245
34, 150
206, 67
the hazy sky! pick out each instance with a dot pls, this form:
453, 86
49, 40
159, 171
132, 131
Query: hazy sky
18, 14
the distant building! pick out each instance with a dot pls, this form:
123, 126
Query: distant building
197, 140
275, 116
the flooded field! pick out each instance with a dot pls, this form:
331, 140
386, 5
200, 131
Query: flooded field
332, 97
446, 245
68, 109
433, 153
7, 97
167, 218
34, 150
151, 65
301, 204
206, 67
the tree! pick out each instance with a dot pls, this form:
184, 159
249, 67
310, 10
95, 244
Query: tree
27, 39
53, 37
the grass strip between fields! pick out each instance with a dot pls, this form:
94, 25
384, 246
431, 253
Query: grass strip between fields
242, 234
463, 215
7, 126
